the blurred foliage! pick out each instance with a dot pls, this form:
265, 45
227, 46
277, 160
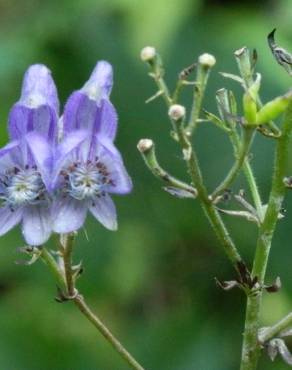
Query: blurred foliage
153, 280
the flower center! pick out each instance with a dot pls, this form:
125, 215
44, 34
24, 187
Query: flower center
86, 180
22, 186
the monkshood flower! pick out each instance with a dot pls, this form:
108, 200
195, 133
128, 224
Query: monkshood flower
84, 179
22, 184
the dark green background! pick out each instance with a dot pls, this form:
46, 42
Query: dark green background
153, 280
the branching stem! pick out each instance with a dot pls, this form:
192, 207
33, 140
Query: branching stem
248, 135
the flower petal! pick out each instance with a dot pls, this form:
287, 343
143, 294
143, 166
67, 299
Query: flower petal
104, 210
100, 82
42, 119
63, 152
89, 108
38, 106
9, 218
42, 154
83, 113
110, 156
109, 121
38, 88
68, 214
10, 156
36, 224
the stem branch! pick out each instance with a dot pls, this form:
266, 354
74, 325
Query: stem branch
270, 332
248, 135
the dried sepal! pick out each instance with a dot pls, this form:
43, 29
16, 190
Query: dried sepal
278, 346
180, 193
226, 285
232, 77
216, 120
33, 252
275, 287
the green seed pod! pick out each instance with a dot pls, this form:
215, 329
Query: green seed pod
273, 109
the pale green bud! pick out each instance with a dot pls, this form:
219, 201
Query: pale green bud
274, 108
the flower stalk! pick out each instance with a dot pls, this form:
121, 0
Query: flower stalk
63, 278
241, 155
147, 149
204, 66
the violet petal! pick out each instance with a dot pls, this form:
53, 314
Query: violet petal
104, 210
9, 218
68, 214
36, 224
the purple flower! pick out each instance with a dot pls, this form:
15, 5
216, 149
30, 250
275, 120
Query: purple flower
49, 185
85, 177
22, 182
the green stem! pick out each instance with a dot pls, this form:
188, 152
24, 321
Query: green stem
56, 271
147, 150
83, 307
157, 74
86, 311
207, 205
67, 241
248, 172
203, 73
248, 135
251, 346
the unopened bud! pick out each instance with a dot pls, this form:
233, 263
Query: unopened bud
274, 108
177, 112
145, 145
148, 53
207, 60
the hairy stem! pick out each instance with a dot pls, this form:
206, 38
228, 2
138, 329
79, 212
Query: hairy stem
248, 172
248, 135
79, 301
147, 150
207, 205
251, 346
203, 73
67, 242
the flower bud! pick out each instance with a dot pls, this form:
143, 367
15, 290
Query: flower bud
148, 54
207, 60
144, 145
274, 108
177, 112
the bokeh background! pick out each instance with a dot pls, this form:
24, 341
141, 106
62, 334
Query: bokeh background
152, 281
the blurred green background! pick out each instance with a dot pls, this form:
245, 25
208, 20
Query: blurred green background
153, 280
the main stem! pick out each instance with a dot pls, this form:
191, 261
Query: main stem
62, 279
251, 345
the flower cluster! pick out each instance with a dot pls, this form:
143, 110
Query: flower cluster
54, 169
